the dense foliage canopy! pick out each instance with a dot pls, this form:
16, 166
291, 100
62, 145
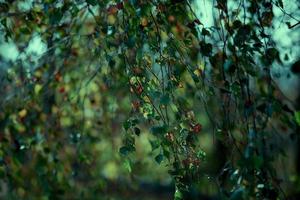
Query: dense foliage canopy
120, 92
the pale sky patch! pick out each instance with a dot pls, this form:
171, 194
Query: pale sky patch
9, 51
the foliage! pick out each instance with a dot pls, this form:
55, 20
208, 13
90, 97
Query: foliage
139, 67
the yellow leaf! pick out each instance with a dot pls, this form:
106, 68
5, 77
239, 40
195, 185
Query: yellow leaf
111, 19
146, 99
201, 66
65, 121
55, 109
144, 22
38, 73
21, 192
37, 88
164, 36
197, 72
22, 113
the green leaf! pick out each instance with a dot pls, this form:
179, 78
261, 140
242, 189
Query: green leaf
258, 161
205, 32
166, 153
126, 125
92, 2
131, 42
158, 130
159, 158
146, 9
201, 154
237, 24
55, 16
25, 30
206, 48
243, 34
165, 99
154, 144
272, 53
297, 117
134, 122
155, 94
127, 165
237, 194
295, 68
280, 3
137, 131
178, 195
124, 151
229, 66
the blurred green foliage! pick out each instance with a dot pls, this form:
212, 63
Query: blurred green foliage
134, 97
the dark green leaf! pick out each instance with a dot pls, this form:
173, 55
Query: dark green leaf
237, 194
56, 16
127, 125
242, 35
165, 99
137, 131
297, 117
206, 48
158, 130
205, 32
159, 158
124, 151
92, 2
178, 195
154, 144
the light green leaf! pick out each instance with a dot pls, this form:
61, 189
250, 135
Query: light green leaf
297, 117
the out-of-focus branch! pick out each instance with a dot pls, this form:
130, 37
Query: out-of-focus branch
292, 26
13, 14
